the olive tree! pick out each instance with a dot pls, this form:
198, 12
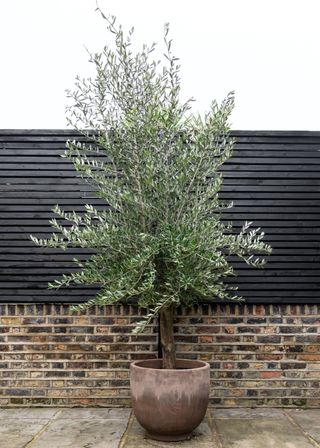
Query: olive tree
161, 239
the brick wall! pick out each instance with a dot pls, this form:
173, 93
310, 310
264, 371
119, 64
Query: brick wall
261, 355
51, 357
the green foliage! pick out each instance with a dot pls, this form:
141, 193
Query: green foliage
156, 165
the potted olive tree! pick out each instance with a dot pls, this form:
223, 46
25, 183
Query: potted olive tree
161, 239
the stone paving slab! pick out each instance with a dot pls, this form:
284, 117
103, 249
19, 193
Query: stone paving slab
83, 433
94, 414
308, 420
117, 428
62, 428
260, 433
247, 413
28, 413
18, 433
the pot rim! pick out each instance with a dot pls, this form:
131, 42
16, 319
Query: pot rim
205, 365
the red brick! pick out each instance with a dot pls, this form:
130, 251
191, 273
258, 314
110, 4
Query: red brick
205, 339
270, 374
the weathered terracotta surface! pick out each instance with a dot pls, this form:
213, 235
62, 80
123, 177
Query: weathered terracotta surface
169, 404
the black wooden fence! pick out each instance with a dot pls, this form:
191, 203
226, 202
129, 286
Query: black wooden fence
273, 179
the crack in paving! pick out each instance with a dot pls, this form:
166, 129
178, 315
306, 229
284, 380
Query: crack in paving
305, 433
216, 437
124, 437
42, 430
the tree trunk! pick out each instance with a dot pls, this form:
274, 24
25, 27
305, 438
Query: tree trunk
167, 338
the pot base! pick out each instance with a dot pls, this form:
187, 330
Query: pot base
164, 438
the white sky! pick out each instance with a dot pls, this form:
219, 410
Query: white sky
268, 51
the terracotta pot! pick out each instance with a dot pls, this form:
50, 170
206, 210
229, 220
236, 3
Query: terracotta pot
169, 404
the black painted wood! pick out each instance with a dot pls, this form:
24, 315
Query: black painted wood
273, 179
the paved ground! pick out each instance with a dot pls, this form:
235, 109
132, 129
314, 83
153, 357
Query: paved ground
117, 428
